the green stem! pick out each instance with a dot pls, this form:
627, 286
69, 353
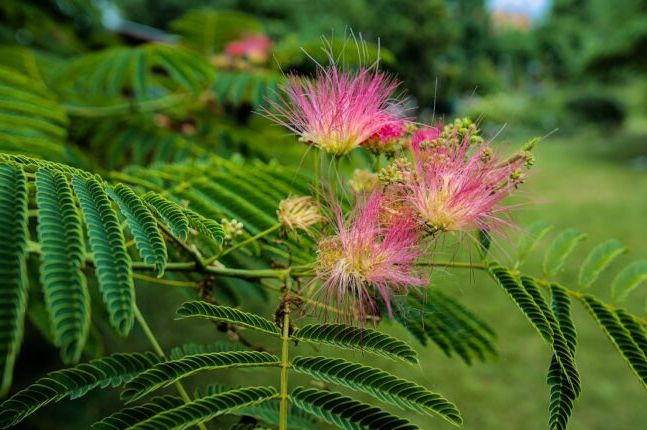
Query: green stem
167, 282
285, 364
199, 263
170, 267
248, 274
317, 175
158, 349
219, 271
458, 264
334, 180
243, 243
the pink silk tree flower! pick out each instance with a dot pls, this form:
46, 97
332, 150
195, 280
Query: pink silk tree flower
255, 47
339, 109
424, 134
388, 139
391, 131
457, 187
366, 260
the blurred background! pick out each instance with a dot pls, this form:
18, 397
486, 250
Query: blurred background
571, 71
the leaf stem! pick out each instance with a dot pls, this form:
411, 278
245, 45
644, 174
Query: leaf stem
199, 263
158, 349
457, 264
317, 173
243, 243
285, 364
167, 282
218, 271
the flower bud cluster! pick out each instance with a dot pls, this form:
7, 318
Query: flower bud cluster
231, 229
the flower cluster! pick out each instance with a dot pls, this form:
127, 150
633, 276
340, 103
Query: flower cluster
440, 179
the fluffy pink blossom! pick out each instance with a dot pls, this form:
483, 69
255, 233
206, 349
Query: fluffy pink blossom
424, 134
339, 109
456, 187
253, 46
391, 131
366, 259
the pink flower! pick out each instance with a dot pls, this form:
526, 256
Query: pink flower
388, 139
366, 258
339, 110
253, 46
425, 134
391, 131
453, 188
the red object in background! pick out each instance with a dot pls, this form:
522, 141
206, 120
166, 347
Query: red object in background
255, 47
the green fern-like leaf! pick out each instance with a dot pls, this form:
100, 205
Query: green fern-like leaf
559, 250
31, 164
561, 348
528, 241
134, 142
143, 226
205, 225
13, 236
293, 53
561, 306
629, 279
522, 299
126, 417
166, 373
563, 376
31, 120
206, 408
634, 327
466, 334
228, 315
194, 348
267, 412
378, 383
116, 71
249, 86
346, 413
172, 213
598, 260
619, 336
113, 265
249, 426
359, 338
232, 205
207, 30
60, 233
110, 371
562, 393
